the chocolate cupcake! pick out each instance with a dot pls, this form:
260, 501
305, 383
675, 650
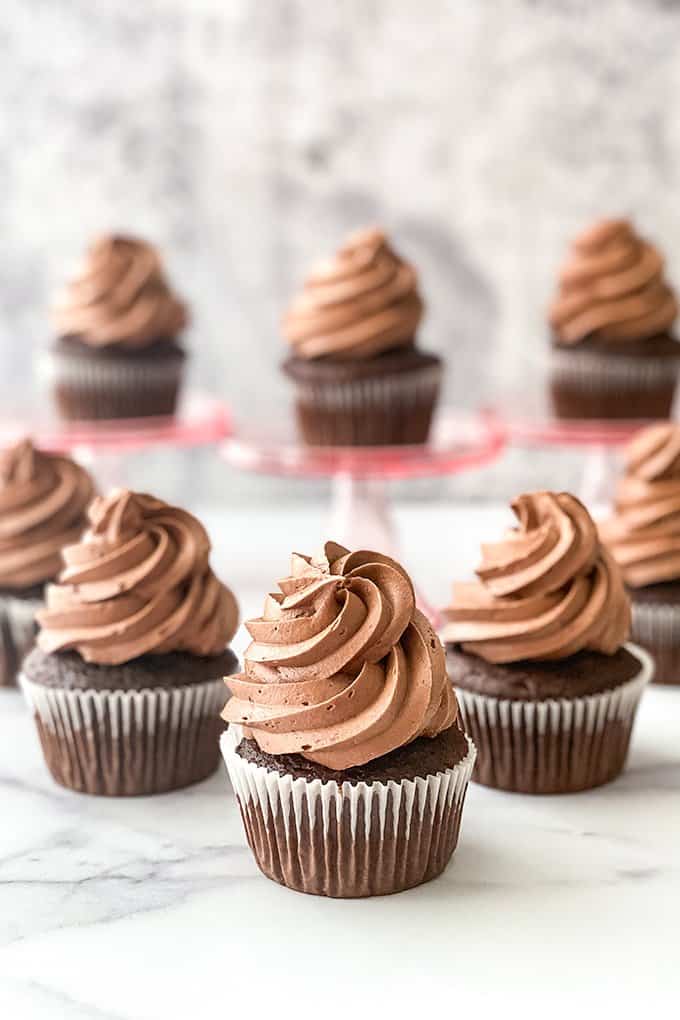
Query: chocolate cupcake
613, 353
643, 535
547, 686
344, 748
126, 681
359, 378
43, 499
118, 353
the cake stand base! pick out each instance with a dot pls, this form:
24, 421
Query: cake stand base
360, 515
601, 469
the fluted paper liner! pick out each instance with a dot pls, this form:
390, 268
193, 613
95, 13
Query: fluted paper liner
394, 409
17, 634
560, 745
594, 384
90, 389
348, 840
124, 743
656, 626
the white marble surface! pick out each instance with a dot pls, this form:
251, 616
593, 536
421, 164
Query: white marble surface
153, 908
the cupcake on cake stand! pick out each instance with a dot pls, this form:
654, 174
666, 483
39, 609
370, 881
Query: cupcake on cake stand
118, 351
613, 361
113, 374
613, 353
364, 393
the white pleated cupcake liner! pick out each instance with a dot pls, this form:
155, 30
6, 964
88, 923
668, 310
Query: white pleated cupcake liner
119, 371
409, 389
598, 372
17, 634
123, 386
656, 626
559, 745
349, 839
121, 742
392, 409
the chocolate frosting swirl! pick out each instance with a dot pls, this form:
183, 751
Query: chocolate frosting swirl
139, 582
120, 297
342, 668
43, 498
549, 589
361, 303
612, 288
643, 534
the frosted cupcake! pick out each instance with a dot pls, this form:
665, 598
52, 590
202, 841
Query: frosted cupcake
614, 355
118, 353
43, 499
643, 535
359, 377
344, 748
126, 682
536, 648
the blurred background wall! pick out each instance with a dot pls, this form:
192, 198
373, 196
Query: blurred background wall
246, 138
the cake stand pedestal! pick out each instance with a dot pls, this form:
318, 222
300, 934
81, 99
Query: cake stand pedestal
103, 446
360, 506
360, 514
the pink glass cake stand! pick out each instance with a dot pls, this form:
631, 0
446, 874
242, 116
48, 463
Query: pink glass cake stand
201, 420
599, 442
360, 514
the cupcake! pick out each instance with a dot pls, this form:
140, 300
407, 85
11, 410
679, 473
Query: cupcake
43, 499
125, 682
118, 322
613, 353
360, 380
547, 686
643, 535
344, 746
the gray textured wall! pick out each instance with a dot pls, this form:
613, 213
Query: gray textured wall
247, 137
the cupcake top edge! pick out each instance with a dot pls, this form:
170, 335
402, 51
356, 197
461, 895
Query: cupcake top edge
547, 590
643, 530
120, 297
612, 288
138, 582
43, 502
362, 302
342, 667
